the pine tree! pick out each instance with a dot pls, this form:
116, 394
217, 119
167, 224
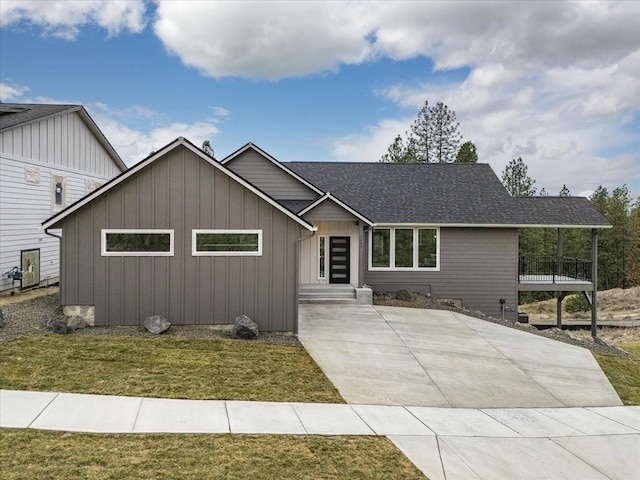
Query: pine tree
516, 180
467, 153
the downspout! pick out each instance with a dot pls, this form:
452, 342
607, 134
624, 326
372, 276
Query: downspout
297, 276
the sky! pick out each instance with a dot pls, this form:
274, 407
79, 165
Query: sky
555, 83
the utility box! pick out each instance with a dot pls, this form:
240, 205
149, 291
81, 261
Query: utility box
523, 317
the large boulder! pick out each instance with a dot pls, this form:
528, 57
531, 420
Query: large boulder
156, 324
404, 295
244, 328
58, 327
76, 323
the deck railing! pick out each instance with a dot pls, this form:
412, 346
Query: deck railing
553, 269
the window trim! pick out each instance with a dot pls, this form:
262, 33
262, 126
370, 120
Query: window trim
196, 253
105, 231
392, 246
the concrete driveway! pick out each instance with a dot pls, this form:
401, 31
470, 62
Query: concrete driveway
436, 358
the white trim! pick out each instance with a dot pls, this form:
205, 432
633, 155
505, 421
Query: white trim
257, 149
392, 245
139, 166
328, 196
322, 255
197, 253
105, 231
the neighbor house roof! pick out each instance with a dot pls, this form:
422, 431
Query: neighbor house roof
441, 194
53, 221
14, 115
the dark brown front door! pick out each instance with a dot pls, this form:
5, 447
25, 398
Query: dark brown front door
339, 250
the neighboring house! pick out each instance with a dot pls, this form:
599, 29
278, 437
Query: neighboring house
201, 241
50, 156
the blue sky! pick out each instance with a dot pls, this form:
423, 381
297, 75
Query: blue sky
557, 83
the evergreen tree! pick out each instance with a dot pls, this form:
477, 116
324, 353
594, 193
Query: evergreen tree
564, 192
208, 149
398, 152
516, 180
467, 153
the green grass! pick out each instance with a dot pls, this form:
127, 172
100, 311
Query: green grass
164, 367
29, 454
624, 373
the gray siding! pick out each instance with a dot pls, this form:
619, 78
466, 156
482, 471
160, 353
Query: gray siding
181, 191
269, 178
329, 210
477, 266
63, 146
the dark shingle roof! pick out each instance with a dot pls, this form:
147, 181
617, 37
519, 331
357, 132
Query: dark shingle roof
13, 114
453, 194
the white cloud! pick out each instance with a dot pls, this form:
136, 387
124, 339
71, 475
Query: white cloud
63, 18
11, 93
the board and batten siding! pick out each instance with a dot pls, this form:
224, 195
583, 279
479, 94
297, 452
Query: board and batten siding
181, 191
271, 179
63, 141
477, 266
62, 145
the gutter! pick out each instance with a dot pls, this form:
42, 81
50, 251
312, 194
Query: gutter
297, 276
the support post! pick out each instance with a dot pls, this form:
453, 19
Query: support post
594, 279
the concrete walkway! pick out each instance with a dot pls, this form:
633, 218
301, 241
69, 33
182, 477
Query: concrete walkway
437, 358
568, 443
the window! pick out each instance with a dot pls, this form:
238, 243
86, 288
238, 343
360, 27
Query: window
404, 248
380, 248
227, 242
136, 243
322, 257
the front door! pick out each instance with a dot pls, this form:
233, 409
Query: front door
339, 265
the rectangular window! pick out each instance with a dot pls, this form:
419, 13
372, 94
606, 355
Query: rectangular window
427, 247
381, 248
227, 242
322, 258
404, 248
136, 243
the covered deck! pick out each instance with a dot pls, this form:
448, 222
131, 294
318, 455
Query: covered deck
550, 273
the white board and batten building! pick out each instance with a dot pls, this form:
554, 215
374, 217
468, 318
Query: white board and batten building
50, 156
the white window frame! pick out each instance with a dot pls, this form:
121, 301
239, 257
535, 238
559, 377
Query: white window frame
322, 275
105, 231
392, 248
197, 253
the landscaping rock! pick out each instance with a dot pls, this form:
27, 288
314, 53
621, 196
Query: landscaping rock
245, 328
1, 318
404, 295
58, 327
156, 324
76, 323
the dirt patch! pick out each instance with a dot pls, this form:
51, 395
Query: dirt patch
24, 295
613, 305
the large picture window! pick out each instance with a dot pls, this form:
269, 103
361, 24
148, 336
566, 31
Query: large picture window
404, 248
227, 242
136, 243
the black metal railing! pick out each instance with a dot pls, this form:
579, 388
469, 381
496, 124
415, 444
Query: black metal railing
553, 269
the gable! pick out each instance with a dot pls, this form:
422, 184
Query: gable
60, 135
269, 175
182, 176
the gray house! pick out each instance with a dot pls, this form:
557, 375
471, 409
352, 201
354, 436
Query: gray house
201, 241
50, 156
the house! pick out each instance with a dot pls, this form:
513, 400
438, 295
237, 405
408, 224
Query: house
50, 156
200, 241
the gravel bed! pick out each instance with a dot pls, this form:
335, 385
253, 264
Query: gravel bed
30, 318
422, 301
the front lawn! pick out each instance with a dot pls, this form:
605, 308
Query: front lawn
29, 454
164, 367
624, 373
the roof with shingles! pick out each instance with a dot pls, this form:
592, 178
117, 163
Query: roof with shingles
441, 194
14, 114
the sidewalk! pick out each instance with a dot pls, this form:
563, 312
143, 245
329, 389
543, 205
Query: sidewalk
568, 443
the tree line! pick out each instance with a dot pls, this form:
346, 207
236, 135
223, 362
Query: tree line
434, 137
